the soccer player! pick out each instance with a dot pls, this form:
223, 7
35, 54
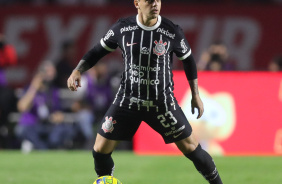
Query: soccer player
147, 41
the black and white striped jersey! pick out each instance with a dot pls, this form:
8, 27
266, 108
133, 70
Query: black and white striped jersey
146, 82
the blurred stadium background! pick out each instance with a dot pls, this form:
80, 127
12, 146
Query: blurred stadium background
238, 49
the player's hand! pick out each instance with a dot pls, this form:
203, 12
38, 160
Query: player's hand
74, 81
196, 102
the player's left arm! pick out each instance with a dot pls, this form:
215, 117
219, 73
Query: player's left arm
183, 52
190, 69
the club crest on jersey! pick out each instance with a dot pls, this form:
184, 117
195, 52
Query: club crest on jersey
159, 48
108, 125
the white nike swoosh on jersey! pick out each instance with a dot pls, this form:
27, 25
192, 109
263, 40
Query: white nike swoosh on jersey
175, 136
129, 44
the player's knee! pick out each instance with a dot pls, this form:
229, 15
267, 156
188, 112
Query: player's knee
187, 148
96, 148
187, 145
103, 145
103, 149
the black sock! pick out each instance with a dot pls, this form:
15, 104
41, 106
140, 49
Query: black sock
104, 164
205, 165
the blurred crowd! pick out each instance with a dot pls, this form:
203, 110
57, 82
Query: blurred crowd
44, 114
104, 2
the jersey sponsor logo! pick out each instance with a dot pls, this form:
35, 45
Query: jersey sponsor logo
109, 34
145, 50
160, 47
175, 131
129, 28
144, 68
130, 44
108, 125
145, 103
137, 74
166, 32
144, 81
183, 45
137, 77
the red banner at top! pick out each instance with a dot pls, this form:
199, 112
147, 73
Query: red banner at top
251, 33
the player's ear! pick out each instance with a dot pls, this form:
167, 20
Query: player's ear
136, 4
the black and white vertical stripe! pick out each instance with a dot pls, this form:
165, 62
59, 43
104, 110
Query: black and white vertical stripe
125, 71
149, 65
170, 76
131, 65
140, 56
147, 52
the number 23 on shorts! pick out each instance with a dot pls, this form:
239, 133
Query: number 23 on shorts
164, 121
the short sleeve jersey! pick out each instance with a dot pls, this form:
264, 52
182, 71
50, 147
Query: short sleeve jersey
146, 82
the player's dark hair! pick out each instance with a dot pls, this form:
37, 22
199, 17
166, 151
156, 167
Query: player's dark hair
150, 1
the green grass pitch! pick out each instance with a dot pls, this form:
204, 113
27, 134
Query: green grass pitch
76, 167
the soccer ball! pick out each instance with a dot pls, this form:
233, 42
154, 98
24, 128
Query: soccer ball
107, 180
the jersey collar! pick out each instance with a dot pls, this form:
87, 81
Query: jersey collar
152, 27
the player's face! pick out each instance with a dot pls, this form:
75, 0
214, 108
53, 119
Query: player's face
149, 8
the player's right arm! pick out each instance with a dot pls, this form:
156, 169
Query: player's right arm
107, 44
87, 62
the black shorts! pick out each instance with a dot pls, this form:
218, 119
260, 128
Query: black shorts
120, 123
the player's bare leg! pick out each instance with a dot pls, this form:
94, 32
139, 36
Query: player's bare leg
187, 145
201, 159
102, 150
103, 145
